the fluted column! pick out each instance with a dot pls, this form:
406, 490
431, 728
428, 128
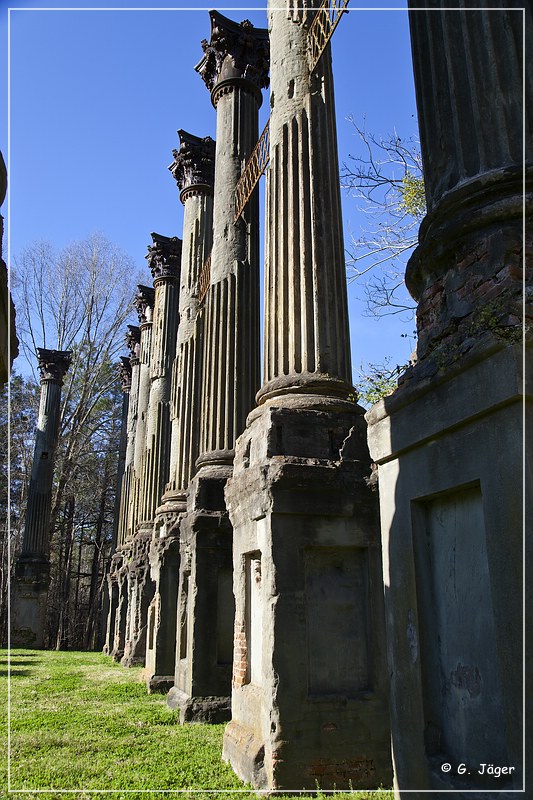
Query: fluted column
234, 68
53, 365
470, 122
193, 169
144, 303
32, 570
125, 372
476, 137
110, 592
307, 345
164, 259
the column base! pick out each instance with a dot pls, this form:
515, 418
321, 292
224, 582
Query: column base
28, 618
310, 684
140, 594
245, 752
29, 595
451, 495
159, 684
161, 640
212, 710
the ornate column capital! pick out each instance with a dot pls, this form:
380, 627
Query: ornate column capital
193, 167
237, 53
144, 303
164, 257
53, 364
124, 372
133, 340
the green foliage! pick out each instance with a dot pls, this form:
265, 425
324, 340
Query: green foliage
80, 721
413, 195
378, 381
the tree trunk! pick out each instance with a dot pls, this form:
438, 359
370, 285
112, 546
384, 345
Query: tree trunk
64, 575
94, 592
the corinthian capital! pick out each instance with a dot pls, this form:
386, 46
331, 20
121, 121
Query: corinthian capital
133, 342
236, 50
124, 371
194, 163
53, 364
144, 303
164, 256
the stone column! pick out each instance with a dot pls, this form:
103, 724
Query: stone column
126, 374
234, 68
141, 344
309, 699
117, 579
451, 502
193, 169
144, 303
110, 598
32, 570
164, 260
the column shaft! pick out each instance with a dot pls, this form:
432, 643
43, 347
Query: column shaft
231, 363
197, 243
307, 345
474, 122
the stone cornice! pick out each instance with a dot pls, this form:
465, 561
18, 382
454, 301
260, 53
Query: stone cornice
144, 303
235, 50
53, 364
133, 339
164, 256
193, 167
124, 371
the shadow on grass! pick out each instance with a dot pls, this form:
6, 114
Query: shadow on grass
14, 663
15, 673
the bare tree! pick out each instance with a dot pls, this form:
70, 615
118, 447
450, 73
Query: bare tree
387, 179
78, 299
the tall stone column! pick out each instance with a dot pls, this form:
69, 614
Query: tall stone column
144, 303
234, 68
193, 169
164, 260
110, 598
309, 699
452, 485
32, 570
139, 341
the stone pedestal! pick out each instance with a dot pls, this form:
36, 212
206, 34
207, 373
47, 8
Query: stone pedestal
119, 572
32, 570
449, 442
140, 593
110, 610
205, 606
309, 701
234, 68
164, 559
451, 516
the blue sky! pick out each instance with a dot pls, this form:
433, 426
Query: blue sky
98, 95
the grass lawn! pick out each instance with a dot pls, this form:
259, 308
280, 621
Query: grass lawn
80, 721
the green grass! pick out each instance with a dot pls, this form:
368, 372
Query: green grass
80, 721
